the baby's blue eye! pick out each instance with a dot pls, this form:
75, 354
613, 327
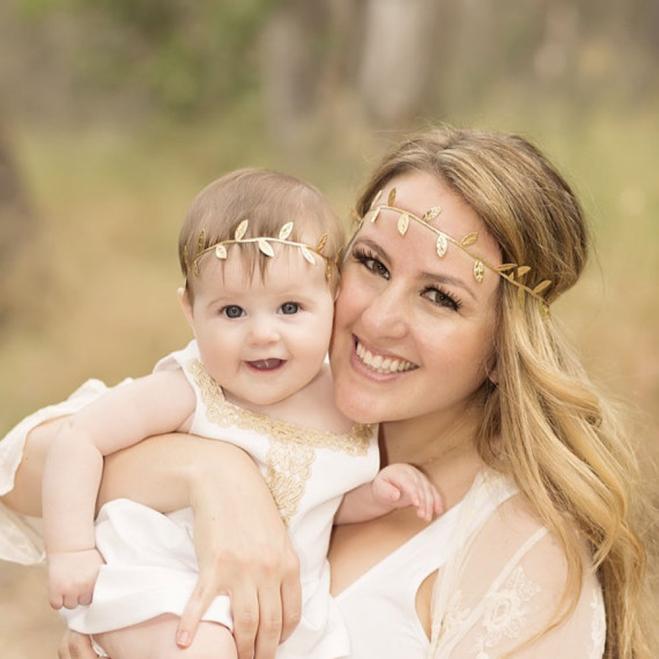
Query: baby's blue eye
232, 311
290, 307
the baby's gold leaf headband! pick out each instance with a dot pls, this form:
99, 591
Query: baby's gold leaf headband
263, 243
511, 272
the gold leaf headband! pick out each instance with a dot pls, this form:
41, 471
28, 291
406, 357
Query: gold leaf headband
263, 243
511, 272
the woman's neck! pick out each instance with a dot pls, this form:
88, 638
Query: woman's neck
442, 446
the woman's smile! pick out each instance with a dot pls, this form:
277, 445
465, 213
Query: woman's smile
371, 362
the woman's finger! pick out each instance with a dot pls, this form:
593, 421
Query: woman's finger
245, 610
291, 596
195, 607
270, 624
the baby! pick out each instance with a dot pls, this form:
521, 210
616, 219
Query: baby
259, 254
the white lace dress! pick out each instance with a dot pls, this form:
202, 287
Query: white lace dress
500, 578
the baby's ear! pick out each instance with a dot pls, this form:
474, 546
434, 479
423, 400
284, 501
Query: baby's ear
186, 303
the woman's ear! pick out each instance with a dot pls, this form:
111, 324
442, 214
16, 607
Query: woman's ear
186, 304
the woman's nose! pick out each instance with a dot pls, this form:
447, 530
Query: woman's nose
385, 316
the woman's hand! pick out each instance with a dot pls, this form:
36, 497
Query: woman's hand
75, 646
243, 551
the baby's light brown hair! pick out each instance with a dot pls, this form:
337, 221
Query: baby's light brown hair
268, 200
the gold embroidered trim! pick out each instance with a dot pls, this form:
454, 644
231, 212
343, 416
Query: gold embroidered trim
292, 447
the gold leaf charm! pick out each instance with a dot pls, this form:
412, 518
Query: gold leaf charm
265, 247
542, 286
307, 255
469, 239
391, 199
220, 251
376, 198
479, 271
504, 267
403, 224
441, 245
321, 243
285, 231
241, 230
374, 214
522, 270
201, 242
521, 295
431, 214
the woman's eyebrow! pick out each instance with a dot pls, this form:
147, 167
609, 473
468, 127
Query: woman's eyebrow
374, 246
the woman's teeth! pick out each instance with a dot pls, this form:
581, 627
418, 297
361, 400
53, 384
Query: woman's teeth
382, 364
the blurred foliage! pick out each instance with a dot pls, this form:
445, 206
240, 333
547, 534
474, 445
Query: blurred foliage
180, 55
187, 58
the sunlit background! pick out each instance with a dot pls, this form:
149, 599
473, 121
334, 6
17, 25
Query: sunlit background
114, 113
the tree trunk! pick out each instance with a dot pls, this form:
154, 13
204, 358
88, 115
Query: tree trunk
400, 37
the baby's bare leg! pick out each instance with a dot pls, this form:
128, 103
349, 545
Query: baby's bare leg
154, 639
25, 498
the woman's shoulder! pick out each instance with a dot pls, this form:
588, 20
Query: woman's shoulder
507, 584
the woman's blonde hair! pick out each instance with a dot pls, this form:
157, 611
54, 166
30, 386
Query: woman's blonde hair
544, 423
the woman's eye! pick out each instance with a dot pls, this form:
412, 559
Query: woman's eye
371, 263
232, 311
290, 307
442, 299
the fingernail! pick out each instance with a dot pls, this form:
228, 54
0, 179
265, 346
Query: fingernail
183, 639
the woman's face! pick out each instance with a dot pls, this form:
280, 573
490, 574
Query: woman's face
413, 333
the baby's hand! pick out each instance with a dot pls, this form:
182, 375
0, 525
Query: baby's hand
71, 577
402, 485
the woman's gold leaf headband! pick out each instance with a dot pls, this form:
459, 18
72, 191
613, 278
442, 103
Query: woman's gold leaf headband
511, 272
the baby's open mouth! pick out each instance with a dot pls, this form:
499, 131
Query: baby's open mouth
267, 364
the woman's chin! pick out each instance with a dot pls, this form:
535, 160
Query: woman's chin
358, 408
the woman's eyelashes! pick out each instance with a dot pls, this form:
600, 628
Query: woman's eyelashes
437, 296
442, 298
370, 261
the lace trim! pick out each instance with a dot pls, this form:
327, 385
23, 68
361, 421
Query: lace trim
292, 448
504, 613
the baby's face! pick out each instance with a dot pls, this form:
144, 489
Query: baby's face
262, 340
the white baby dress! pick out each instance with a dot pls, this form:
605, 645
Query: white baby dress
150, 559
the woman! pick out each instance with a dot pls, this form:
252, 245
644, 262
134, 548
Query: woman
464, 240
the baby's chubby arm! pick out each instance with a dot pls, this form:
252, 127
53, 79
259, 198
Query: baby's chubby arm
395, 486
152, 405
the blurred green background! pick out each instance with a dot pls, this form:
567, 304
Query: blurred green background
114, 113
